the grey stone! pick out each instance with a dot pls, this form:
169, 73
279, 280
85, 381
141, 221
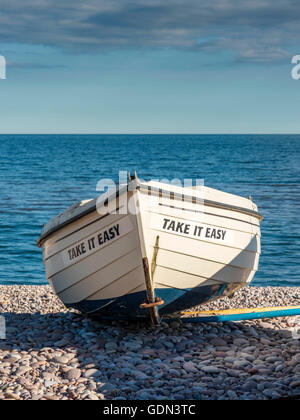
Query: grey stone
62, 342
249, 386
240, 342
232, 395
218, 342
91, 372
50, 383
73, 374
106, 387
271, 393
23, 369
139, 375
210, 369
60, 359
133, 346
190, 367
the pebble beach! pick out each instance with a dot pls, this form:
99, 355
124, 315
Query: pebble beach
51, 353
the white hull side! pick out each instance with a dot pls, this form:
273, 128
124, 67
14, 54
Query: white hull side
188, 261
196, 252
99, 275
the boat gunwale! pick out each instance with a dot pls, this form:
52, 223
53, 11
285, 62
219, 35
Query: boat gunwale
197, 200
133, 186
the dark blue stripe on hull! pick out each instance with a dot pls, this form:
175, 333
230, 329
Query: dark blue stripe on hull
187, 299
123, 307
127, 307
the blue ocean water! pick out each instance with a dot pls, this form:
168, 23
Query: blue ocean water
41, 175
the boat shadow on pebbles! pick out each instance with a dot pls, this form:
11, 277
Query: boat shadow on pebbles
64, 355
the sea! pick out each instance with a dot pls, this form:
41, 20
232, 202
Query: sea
41, 175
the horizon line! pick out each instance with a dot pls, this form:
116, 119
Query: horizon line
153, 134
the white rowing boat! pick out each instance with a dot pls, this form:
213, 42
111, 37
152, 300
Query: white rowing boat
156, 249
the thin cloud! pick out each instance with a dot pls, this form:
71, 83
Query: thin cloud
28, 65
256, 30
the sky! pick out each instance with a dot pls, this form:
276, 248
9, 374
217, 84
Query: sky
149, 66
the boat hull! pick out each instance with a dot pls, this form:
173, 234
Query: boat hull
195, 252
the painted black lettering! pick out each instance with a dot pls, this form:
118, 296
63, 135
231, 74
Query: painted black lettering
207, 232
179, 227
78, 251
165, 223
187, 229
91, 243
73, 253
223, 234
106, 236
100, 239
117, 229
172, 225
111, 233
200, 230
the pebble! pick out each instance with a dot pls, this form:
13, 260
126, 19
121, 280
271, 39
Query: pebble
53, 353
190, 367
139, 375
218, 342
249, 386
91, 372
23, 369
50, 383
232, 395
60, 359
73, 374
132, 346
